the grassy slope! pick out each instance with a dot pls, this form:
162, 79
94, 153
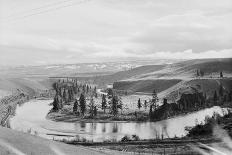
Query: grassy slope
146, 86
168, 76
207, 85
28, 85
29, 144
106, 79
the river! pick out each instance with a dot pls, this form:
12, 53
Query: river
32, 116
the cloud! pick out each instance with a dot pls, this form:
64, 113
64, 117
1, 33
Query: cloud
189, 31
109, 30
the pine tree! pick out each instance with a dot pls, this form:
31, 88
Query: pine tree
114, 105
91, 111
82, 104
150, 111
139, 104
75, 106
230, 96
145, 104
154, 99
96, 95
215, 98
57, 103
198, 74
95, 111
65, 96
104, 103
87, 88
221, 74
110, 93
202, 73
165, 101
221, 90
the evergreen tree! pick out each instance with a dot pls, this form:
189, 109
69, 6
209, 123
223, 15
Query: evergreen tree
114, 105
57, 103
87, 89
120, 105
65, 96
75, 105
139, 104
215, 98
82, 104
221, 74
110, 93
165, 101
70, 95
145, 104
104, 103
202, 73
55, 86
221, 91
91, 110
83, 88
95, 111
198, 74
150, 111
154, 99
230, 96
95, 95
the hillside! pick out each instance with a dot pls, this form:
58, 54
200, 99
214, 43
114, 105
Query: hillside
107, 79
208, 86
146, 86
28, 85
187, 69
78, 69
13, 142
170, 76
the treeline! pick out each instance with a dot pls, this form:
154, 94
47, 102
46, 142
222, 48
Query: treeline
188, 102
73, 92
201, 73
69, 90
110, 104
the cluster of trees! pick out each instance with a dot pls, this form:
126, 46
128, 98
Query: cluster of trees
114, 102
153, 103
69, 90
222, 95
201, 73
187, 102
110, 101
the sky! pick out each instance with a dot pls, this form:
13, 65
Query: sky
40, 32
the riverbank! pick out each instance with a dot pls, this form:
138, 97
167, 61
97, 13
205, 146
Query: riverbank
153, 146
67, 116
13, 142
8, 106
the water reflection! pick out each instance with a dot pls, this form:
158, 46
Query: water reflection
103, 127
33, 115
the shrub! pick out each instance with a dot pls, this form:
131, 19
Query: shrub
125, 139
135, 137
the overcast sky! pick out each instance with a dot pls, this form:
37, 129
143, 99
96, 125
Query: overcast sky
34, 32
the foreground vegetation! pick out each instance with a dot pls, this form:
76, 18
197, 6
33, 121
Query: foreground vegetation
208, 129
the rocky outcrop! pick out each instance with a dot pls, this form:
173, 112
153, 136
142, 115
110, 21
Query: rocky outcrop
191, 98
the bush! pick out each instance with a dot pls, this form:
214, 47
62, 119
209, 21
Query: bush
125, 139
135, 137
